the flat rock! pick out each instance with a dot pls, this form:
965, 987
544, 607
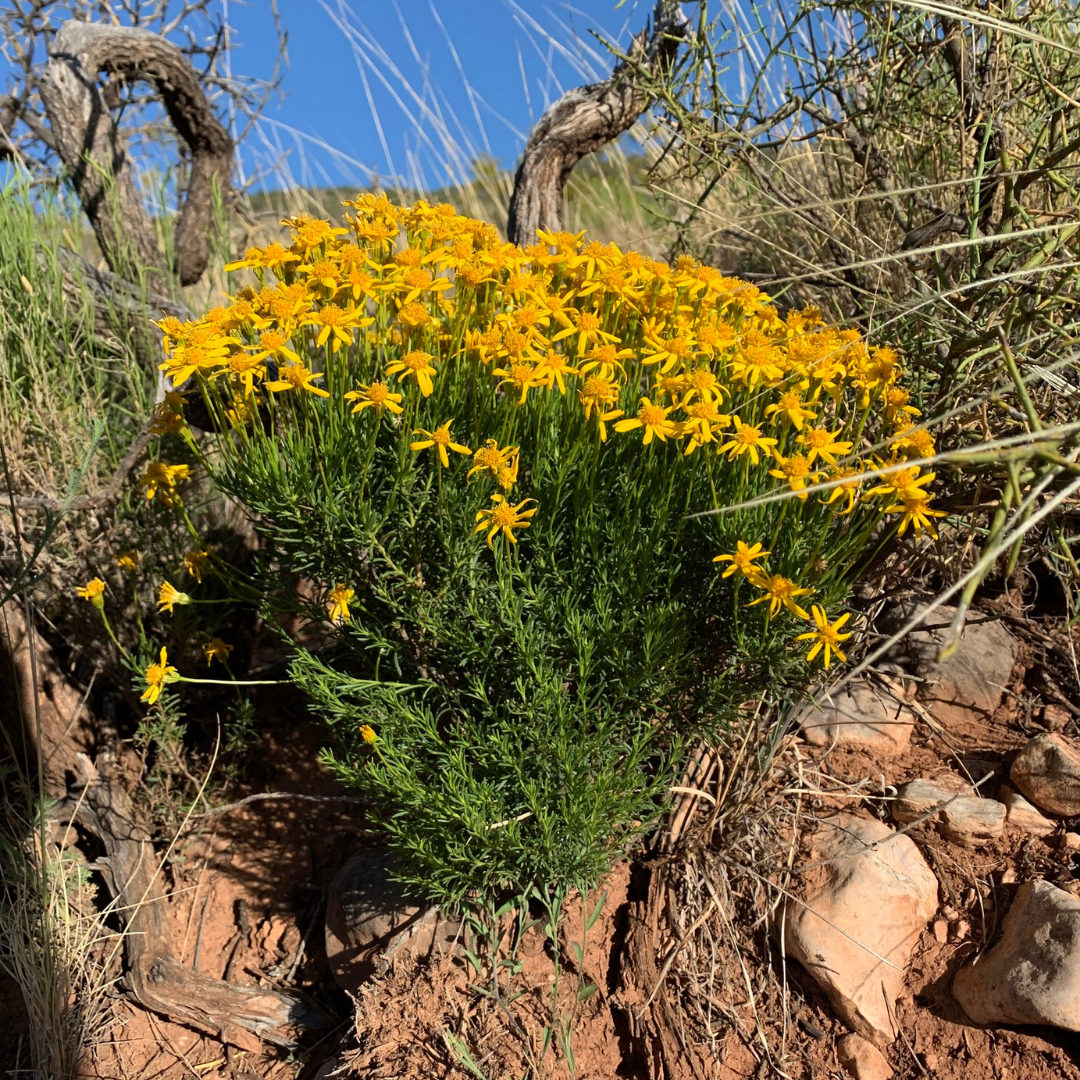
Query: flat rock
918, 798
1032, 975
862, 1059
865, 909
1047, 773
370, 919
971, 820
975, 675
859, 715
1020, 814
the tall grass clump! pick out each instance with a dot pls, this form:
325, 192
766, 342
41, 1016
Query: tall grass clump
487, 481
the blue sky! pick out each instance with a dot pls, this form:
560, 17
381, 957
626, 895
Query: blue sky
374, 87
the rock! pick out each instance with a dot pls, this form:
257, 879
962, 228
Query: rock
975, 675
941, 931
971, 820
370, 919
1021, 815
1047, 773
1032, 976
862, 1059
859, 715
917, 798
1069, 841
862, 917
1055, 717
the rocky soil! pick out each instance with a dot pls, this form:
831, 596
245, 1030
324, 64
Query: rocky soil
912, 909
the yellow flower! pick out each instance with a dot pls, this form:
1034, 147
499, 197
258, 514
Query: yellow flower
168, 596
216, 649
295, 377
491, 459
598, 392
852, 481
779, 592
160, 480
417, 366
167, 417
94, 591
796, 471
441, 440
338, 602
915, 506
521, 376
195, 563
552, 369
903, 483
743, 560
157, 675
790, 408
826, 636
128, 560
504, 518
377, 396
336, 324
824, 444
367, 733
653, 418
745, 439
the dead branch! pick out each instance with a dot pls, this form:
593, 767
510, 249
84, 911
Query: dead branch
238, 1015
585, 119
95, 153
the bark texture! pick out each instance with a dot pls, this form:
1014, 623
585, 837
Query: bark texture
94, 152
239, 1015
585, 119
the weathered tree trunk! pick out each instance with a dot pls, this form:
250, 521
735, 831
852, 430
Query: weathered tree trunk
95, 154
239, 1015
585, 119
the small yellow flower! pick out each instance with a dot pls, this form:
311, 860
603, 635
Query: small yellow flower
338, 602
824, 444
915, 506
491, 459
128, 560
790, 408
504, 518
295, 377
157, 675
745, 439
168, 596
94, 591
441, 440
216, 649
376, 396
743, 560
826, 636
779, 592
653, 418
796, 471
419, 367
195, 563
367, 733
160, 480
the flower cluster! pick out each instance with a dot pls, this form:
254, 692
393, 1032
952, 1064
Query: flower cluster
383, 313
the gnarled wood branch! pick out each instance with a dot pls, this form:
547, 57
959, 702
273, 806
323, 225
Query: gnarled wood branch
94, 152
239, 1015
585, 119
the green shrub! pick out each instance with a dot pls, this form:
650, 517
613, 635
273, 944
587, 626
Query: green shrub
517, 707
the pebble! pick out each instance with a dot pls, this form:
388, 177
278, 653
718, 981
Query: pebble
862, 1059
973, 677
971, 820
1032, 975
861, 920
1055, 717
1047, 773
920, 797
859, 715
1021, 815
941, 931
